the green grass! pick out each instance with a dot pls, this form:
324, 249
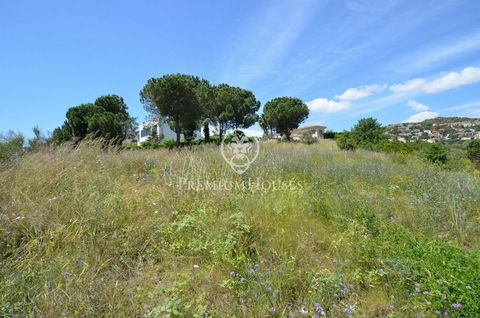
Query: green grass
107, 233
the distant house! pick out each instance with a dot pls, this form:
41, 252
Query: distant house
315, 131
162, 129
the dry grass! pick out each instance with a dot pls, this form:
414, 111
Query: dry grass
106, 233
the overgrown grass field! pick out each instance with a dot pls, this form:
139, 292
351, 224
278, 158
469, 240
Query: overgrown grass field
92, 232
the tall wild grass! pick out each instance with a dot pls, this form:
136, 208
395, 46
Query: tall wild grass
96, 232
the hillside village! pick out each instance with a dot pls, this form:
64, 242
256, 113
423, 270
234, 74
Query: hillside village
447, 129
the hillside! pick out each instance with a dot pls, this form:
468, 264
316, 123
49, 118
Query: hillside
449, 120
453, 130
308, 230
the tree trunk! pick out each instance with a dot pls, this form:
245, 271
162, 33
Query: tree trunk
220, 132
177, 131
206, 132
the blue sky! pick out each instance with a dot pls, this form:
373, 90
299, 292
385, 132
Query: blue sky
389, 59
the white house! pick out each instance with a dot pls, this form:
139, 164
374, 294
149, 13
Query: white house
315, 131
164, 132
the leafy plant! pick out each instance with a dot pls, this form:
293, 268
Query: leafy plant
437, 153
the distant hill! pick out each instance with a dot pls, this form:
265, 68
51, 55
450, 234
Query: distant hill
446, 129
449, 120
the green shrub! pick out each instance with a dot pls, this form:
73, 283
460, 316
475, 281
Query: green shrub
329, 134
237, 133
473, 151
458, 161
131, 146
368, 132
437, 153
345, 141
11, 148
307, 138
394, 146
168, 143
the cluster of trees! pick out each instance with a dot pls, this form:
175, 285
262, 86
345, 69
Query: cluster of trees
107, 117
189, 102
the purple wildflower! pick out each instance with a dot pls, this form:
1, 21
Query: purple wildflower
319, 309
348, 311
456, 306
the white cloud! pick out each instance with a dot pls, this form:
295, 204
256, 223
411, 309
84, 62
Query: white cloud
416, 106
421, 117
323, 105
408, 86
451, 80
355, 93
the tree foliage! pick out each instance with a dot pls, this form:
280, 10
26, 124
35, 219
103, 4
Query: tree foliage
38, 141
329, 134
233, 108
473, 151
107, 118
175, 97
283, 114
368, 132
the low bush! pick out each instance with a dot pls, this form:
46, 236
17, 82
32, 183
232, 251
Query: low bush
11, 148
473, 151
345, 141
436, 153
